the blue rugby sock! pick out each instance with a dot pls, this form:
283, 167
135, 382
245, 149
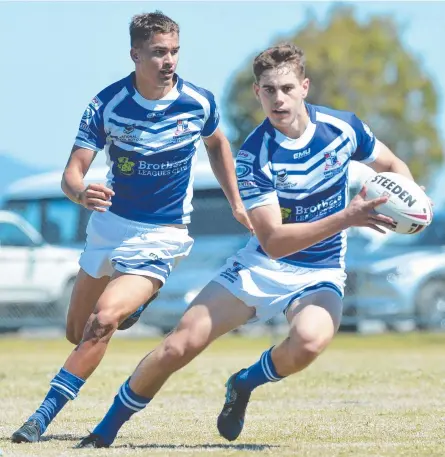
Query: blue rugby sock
259, 373
125, 404
64, 386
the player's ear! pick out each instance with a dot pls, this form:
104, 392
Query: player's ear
256, 89
134, 55
305, 87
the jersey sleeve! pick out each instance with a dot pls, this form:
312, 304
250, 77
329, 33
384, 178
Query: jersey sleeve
91, 134
254, 180
212, 121
367, 145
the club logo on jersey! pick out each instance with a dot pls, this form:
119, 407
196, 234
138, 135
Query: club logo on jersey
182, 126
332, 164
243, 170
126, 166
232, 273
285, 213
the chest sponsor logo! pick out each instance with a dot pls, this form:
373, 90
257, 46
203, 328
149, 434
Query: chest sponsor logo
319, 210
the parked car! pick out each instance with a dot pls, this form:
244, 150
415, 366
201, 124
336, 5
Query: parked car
36, 278
402, 279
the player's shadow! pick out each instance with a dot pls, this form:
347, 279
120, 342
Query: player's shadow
239, 447
61, 438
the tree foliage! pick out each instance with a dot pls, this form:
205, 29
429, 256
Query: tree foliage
361, 67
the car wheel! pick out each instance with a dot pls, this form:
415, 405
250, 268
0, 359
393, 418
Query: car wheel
430, 305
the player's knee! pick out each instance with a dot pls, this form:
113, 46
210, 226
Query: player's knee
308, 345
101, 326
173, 351
179, 349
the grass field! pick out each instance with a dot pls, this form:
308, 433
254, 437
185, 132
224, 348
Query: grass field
381, 395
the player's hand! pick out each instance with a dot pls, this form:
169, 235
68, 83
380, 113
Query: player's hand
361, 213
96, 197
240, 214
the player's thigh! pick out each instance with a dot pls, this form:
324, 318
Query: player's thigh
315, 317
213, 313
125, 293
86, 293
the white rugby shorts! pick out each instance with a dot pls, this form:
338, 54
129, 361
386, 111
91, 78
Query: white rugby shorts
114, 243
270, 286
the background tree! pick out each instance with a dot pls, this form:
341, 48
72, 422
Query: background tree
361, 67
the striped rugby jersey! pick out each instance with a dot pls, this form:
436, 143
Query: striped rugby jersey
150, 146
307, 177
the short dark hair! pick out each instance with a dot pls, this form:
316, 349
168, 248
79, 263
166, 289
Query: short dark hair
143, 26
276, 56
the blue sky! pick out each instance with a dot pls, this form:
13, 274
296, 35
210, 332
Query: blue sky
55, 56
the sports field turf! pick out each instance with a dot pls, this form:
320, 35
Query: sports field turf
380, 395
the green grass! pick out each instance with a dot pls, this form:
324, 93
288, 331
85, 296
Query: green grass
381, 395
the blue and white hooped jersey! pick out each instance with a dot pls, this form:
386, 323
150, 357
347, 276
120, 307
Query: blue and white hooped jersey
307, 177
151, 147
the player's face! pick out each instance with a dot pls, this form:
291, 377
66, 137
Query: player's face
281, 94
157, 58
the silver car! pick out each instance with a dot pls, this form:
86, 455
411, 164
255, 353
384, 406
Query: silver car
402, 279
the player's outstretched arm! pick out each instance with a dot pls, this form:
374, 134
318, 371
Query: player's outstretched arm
221, 161
280, 240
94, 196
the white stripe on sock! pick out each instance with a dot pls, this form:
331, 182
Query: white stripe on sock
274, 378
119, 394
71, 395
266, 369
130, 400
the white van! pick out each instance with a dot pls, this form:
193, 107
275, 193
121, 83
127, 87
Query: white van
217, 234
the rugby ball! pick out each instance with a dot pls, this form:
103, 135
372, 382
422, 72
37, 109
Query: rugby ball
407, 204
